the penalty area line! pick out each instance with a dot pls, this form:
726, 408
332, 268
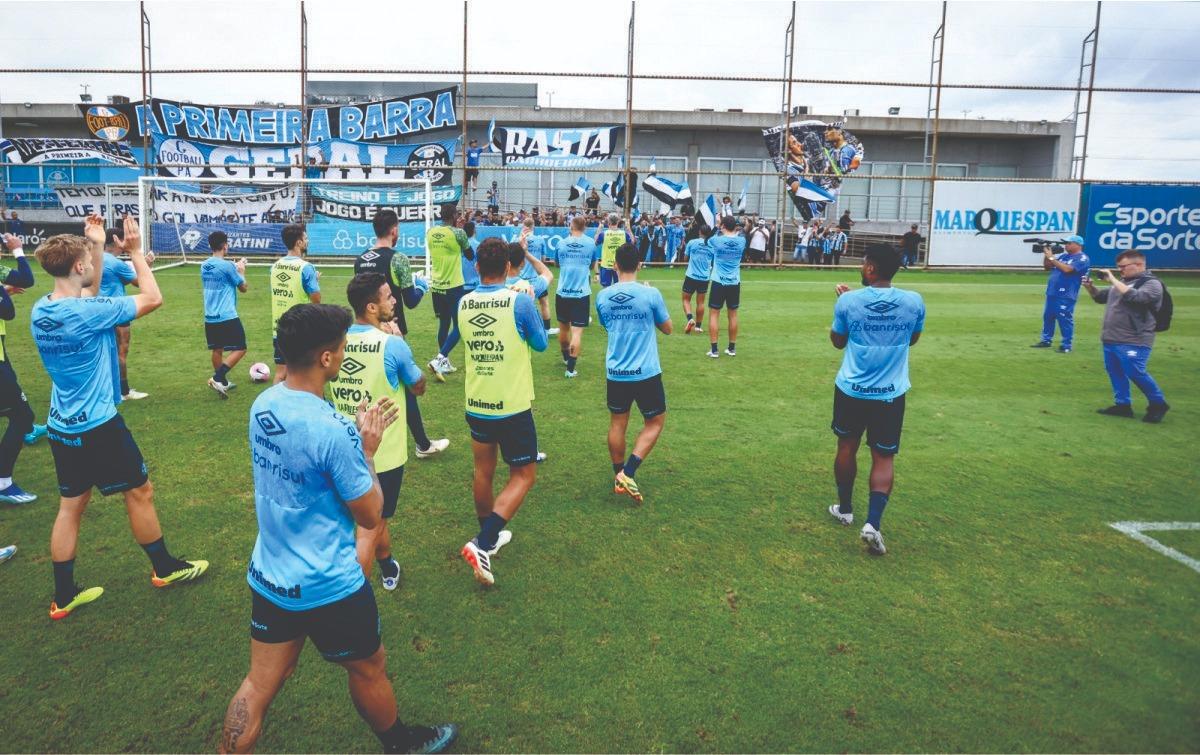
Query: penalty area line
1135, 530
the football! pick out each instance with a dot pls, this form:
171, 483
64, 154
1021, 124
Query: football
260, 372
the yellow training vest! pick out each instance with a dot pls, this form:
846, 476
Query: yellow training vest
499, 378
287, 287
364, 376
614, 239
445, 258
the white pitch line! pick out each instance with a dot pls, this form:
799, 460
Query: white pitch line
1135, 530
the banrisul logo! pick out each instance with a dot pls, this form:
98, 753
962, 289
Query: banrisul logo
621, 298
352, 366
882, 307
269, 423
482, 321
987, 221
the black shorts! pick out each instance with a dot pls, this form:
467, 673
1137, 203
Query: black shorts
649, 394
346, 630
693, 286
105, 457
574, 310
445, 304
722, 295
390, 482
227, 336
516, 435
882, 419
472, 173
278, 354
13, 403
608, 276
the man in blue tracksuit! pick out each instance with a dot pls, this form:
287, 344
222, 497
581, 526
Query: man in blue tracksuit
1067, 271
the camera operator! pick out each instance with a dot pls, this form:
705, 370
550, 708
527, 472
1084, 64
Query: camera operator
1067, 270
1131, 304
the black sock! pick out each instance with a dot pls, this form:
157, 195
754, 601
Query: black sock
481, 519
618, 466
403, 738
124, 386
571, 362
164, 563
566, 354
631, 466
545, 323
689, 316
845, 497
489, 531
64, 582
714, 347
732, 347
415, 425
220, 374
386, 564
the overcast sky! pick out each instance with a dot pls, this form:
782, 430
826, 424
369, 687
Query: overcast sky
1142, 44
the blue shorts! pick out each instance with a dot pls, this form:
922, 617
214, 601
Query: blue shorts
104, 457
516, 436
345, 630
722, 295
445, 304
608, 276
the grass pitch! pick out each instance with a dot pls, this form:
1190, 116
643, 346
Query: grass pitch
728, 613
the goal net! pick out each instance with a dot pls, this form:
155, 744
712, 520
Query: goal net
178, 215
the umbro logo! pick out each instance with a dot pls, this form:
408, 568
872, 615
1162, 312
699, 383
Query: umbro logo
352, 366
283, 276
369, 256
880, 307
47, 324
620, 298
482, 321
269, 423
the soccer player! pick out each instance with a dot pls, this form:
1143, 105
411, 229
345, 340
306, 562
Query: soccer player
13, 403
73, 331
502, 327
577, 258
610, 240
445, 244
117, 275
518, 259
377, 364
409, 290
293, 279
630, 312
223, 329
470, 274
875, 325
537, 247
728, 246
314, 480
695, 278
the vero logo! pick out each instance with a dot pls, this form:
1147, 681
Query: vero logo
352, 366
620, 298
482, 321
47, 324
269, 423
881, 307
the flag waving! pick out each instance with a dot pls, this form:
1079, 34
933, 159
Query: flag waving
741, 203
579, 189
708, 212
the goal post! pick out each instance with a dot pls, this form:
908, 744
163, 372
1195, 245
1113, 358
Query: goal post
178, 215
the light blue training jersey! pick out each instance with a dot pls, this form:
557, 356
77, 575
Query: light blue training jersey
630, 311
700, 259
221, 280
115, 276
576, 255
78, 346
727, 258
308, 461
879, 323
470, 274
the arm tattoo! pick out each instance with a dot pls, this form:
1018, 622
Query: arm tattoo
236, 721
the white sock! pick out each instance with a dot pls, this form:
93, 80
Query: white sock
5, 483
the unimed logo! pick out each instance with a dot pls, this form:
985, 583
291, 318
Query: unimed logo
482, 321
352, 366
881, 307
269, 423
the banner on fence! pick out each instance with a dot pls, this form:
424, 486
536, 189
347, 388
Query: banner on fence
81, 201
34, 151
35, 233
815, 157
1162, 222
985, 222
192, 238
552, 235
359, 122
385, 195
348, 238
554, 147
273, 206
352, 160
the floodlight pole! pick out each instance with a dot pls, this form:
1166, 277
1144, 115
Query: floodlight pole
939, 41
629, 190
147, 85
789, 54
303, 89
463, 114
1087, 123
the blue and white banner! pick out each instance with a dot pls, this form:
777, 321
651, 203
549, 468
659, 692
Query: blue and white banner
581, 187
167, 205
359, 122
81, 201
350, 160
34, 151
1162, 222
708, 212
385, 195
553, 147
261, 238
982, 223
351, 238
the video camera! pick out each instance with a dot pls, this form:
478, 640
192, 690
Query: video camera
1040, 246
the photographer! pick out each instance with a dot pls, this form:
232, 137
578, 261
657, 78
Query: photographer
1067, 270
1131, 305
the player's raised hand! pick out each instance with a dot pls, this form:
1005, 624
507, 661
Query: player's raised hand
12, 243
93, 229
841, 288
241, 266
133, 236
